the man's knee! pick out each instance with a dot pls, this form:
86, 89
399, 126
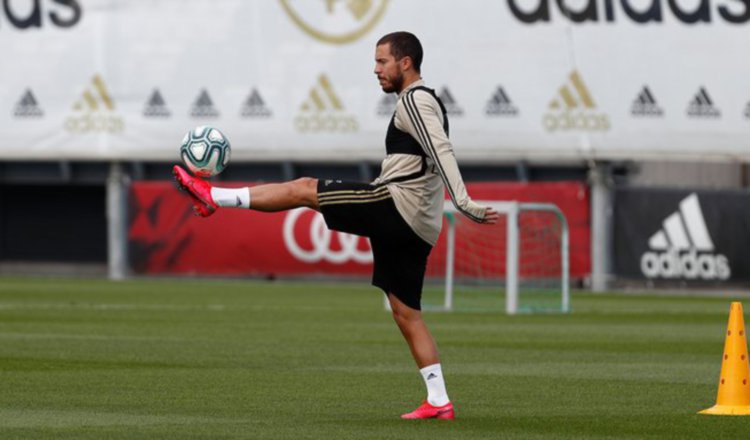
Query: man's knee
403, 314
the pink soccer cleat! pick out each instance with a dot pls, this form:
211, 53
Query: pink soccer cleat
427, 411
198, 189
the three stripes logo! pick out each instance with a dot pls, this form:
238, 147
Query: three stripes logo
255, 107
94, 111
574, 109
354, 196
500, 104
203, 107
27, 106
156, 107
702, 106
645, 105
451, 106
323, 111
683, 247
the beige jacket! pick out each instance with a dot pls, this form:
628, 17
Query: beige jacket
420, 200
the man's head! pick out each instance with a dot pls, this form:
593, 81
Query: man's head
398, 59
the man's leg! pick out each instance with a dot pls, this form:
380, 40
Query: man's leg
271, 197
424, 351
412, 326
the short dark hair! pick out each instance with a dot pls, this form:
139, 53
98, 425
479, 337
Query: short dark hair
404, 44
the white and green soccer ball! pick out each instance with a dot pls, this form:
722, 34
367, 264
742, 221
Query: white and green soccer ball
205, 151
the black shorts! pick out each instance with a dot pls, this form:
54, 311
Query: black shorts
400, 255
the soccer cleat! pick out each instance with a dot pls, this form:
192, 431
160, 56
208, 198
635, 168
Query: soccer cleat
427, 411
198, 189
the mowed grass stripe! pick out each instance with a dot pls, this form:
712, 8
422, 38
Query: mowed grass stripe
15, 418
245, 359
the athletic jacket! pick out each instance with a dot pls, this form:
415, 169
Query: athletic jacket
420, 163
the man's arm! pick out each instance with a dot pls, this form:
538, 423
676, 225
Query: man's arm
419, 117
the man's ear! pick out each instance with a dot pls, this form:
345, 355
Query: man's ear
406, 63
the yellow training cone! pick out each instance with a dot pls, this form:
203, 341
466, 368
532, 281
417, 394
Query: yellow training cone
734, 384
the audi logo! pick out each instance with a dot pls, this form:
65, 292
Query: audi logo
321, 239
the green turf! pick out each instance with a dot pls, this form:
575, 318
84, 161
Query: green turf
202, 360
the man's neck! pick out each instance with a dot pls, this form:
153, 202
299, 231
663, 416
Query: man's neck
408, 82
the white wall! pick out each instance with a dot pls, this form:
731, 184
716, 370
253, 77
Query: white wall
78, 80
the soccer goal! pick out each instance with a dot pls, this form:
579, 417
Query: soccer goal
519, 264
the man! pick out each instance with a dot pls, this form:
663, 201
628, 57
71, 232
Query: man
401, 211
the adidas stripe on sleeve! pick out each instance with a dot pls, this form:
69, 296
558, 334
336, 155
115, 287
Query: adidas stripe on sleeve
419, 114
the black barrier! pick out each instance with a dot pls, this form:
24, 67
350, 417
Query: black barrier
682, 235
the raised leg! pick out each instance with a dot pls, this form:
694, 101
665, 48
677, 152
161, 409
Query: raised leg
274, 197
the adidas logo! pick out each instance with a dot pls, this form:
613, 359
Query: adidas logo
255, 107
93, 111
203, 107
573, 109
500, 105
702, 106
431, 376
387, 105
28, 107
451, 107
683, 248
156, 107
645, 104
323, 111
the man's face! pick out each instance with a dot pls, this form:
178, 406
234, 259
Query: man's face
388, 70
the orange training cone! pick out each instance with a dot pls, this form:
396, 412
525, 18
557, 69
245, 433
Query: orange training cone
734, 384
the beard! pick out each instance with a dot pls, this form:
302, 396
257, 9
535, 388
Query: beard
396, 84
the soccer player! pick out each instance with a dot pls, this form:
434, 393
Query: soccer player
401, 211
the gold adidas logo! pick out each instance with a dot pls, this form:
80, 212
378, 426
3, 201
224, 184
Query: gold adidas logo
93, 111
323, 111
574, 109
89, 100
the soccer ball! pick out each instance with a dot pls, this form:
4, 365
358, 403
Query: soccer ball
205, 151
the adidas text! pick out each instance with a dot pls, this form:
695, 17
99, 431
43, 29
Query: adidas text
703, 111
326, 122
689, 265
651, 11
646, 110
35, 16
496, 110
94, 122
28, 112
569, 120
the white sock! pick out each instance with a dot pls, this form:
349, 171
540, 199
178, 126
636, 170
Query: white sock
433, 379
231, 197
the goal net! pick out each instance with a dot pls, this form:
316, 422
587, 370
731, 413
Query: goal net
519, 265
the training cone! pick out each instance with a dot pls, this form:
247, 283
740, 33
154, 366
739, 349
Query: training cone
733, 398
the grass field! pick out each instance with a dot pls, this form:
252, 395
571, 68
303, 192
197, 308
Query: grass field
220, 360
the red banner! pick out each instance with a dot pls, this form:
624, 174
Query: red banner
166, 238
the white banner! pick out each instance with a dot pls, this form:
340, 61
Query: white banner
292, 79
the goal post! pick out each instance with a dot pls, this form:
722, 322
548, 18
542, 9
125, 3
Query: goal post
526, 254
